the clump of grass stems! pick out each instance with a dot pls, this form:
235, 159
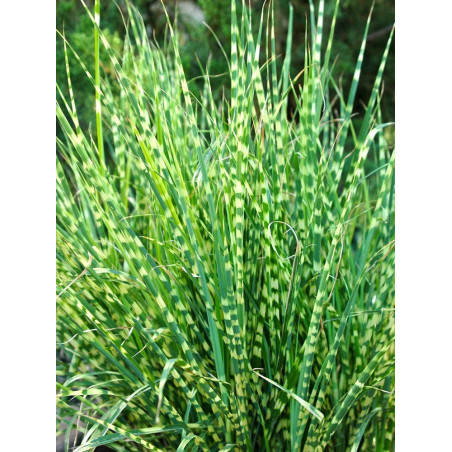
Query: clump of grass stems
225, 275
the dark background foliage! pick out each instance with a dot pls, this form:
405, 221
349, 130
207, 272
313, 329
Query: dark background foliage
199, 46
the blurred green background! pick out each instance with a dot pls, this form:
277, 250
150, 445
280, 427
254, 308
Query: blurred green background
198, 45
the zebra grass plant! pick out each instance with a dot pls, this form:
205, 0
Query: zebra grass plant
225, 275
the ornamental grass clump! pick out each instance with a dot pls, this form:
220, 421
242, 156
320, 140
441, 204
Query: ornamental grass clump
225, 267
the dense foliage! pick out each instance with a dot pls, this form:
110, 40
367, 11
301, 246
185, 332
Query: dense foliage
225, 274
200, 45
